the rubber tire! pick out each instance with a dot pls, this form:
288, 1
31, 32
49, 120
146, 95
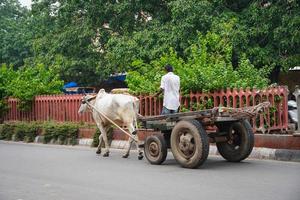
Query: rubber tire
163, 151
247, 143
200, 139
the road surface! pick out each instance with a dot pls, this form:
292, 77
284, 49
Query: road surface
51, 172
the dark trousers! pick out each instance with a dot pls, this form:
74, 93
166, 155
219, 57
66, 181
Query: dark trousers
166, 111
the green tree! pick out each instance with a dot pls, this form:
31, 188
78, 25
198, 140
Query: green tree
87, 40
31, 81
268, 33
208, 67
74, 34
64, 40
181, 24
6, 75
13, 34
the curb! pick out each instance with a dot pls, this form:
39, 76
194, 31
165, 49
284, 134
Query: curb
115, 144
85, 142
257, 152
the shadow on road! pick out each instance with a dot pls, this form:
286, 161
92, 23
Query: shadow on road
213, 163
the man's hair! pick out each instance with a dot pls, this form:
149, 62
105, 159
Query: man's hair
169, 68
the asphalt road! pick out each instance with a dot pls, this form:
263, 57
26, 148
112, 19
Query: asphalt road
49, 172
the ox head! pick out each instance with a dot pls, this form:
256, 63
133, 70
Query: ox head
84, 106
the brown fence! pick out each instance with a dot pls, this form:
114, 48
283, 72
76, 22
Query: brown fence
49, 107
64, 107
275, 119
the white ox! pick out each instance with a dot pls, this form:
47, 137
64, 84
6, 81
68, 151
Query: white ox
121, 109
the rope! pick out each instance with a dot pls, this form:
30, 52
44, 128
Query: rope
246, 112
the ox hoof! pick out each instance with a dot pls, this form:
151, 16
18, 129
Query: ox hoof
134, 132
106, 154
98, 151
125, 156
141, 156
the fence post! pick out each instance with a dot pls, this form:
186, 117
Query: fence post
296, 93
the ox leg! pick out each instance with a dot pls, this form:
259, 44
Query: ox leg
106, 153
100, 144
126, 154
134, 134
132, 131
103, 137
140, 152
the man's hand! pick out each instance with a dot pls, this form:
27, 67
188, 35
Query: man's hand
158, 93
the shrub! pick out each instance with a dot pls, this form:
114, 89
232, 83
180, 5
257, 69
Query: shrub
61, 133
7, 131
30, 131
19, 131
25, 131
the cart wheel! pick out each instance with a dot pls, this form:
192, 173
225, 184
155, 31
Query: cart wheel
189, 143
155, 149
240, 142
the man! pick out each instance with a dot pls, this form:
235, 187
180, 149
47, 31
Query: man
170, 85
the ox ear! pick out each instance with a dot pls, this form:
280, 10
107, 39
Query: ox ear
82, 108
101, 93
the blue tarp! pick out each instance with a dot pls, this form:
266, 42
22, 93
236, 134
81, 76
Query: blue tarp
116, 77
121, 77
70, 84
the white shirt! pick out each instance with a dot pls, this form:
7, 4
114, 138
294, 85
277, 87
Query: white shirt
170, 83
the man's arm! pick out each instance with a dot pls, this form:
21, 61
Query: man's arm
159, 92
162, 86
